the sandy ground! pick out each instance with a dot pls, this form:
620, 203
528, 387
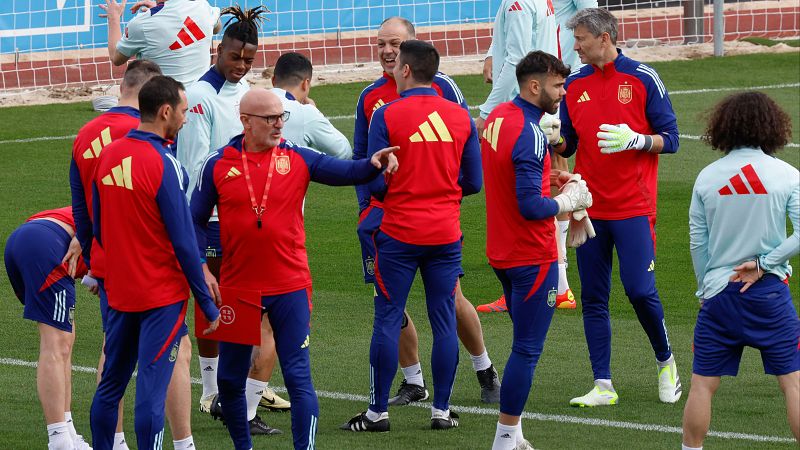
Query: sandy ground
368, 72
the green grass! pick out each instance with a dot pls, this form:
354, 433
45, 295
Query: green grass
34, 177
772, 42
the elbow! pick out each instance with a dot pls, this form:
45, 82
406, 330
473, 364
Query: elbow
470, 187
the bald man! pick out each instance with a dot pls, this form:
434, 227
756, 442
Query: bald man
258, 182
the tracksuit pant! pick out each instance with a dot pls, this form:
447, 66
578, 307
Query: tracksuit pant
150, 338
634, 240
531, 298
396, 265
290, 315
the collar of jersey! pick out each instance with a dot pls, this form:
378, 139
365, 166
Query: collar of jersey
747, 149
610, 68
418, 91
129, 110
152, 138
214, 78
527, 106
156, 8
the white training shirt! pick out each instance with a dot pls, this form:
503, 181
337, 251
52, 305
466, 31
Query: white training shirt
176, 36
738, 212
521, 26
308, 127
211, 122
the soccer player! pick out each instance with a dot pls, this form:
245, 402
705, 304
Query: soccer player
440, 162
308, 127
394, 31
618, 116
258, 183
212, 121
520, 26
175, 34
41, 259
520, 237
740, 252
86, 155
142, 221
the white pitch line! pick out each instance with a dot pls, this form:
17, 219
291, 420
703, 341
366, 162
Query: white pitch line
472, 108
491, 412
697, 138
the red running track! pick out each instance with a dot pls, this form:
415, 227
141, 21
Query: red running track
772, 23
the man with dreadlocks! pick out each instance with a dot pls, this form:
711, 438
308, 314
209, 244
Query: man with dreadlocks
174, 34
212, 120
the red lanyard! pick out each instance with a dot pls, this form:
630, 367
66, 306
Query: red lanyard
258, 209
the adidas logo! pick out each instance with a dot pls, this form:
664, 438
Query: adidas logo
208, 369
120, 175
515, 7
184, 37
550, 9
233, 172
427, 132
652, 266
260, 393
584, 97
97, 144
505, 436
739, 186
305, 343
197, 109
55, 433
378, 104
492, 132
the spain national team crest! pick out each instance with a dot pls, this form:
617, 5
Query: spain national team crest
625, 93
369, 265
551, 298
282, 164
173, 354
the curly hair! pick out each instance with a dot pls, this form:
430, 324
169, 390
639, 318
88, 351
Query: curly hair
748, 119
245, 23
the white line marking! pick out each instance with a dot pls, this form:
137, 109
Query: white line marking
491, 412
697, 138
472, 108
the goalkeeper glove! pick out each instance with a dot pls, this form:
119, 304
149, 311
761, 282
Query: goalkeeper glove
618, 138
580, 228
574, 195
551, 126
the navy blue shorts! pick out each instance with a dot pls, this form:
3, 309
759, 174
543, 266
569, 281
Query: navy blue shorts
33, 262
763, 317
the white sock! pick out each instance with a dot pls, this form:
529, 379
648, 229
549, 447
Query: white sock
604, 384
373, 416
413, 375
520, 436
481, 362
119, 441
253, 391
563, 227
208, 373
184, 444
505, 437
438, 413
563, 284
686, 447
58, 437
70, 425
670, 360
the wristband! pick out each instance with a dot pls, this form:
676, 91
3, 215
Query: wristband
648, 142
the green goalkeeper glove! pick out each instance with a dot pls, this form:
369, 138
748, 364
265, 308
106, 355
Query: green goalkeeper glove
618, 138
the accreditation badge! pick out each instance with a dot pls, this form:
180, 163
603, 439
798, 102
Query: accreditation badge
625, 93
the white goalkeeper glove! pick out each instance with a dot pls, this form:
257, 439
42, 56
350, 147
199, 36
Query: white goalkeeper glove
618, 138
580, 228
574, 195
551, 126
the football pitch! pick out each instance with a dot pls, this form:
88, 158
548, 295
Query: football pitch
35, 145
